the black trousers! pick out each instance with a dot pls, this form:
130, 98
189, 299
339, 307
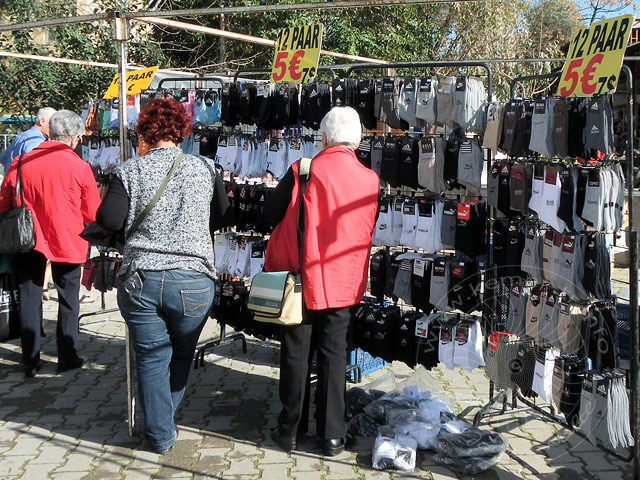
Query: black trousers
29, 268
324, 331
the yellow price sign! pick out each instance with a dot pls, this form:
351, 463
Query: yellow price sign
297, 54
595, 57
137, 81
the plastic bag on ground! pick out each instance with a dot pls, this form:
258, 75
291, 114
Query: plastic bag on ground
357, 399
455, 426
385, 383
415, 424
433, 408
471, 443
362, 425
419, 385
379, 409
468, 465
392, 450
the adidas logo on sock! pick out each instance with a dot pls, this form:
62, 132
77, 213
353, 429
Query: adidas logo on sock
313, 94
595, 130
406, 147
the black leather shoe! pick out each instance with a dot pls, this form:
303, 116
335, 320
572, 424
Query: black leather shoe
72, 364
285, 442
30, 372
332, 447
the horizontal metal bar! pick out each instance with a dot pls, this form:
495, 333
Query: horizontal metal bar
87, 63
242, 37
287, 7
56, 22
514, 82
261, 71
220, 80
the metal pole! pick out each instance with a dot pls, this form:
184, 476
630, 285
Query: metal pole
121, 36
632, 239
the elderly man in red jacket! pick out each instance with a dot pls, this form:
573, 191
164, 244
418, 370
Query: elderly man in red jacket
340, 202
60, 190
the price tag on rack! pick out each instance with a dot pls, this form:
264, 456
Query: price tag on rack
136, 82
595, 57
297, 54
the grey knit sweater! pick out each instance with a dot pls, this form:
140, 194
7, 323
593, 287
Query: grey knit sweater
175, 234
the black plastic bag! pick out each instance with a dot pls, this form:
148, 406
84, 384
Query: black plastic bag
9, 307
101, 237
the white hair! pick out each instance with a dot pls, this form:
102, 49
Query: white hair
45, 113
341, 126
65, 125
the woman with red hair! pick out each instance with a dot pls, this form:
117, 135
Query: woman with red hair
166, 284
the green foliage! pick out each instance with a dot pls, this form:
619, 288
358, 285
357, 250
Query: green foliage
26, 85
452, 31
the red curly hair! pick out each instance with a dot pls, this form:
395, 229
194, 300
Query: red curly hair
163, 119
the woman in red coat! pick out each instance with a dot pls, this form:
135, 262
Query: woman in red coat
340, 202
60, 190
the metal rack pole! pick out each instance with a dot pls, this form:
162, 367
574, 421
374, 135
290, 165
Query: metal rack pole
220, 80
260, 71
632, 244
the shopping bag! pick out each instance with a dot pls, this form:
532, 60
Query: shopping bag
9, 307
276, 297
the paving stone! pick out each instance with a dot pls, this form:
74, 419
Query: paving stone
440, 473
140, 474
64, 476
25, 443
274, 455
241, 467
376, 475
312, 475
307, 463
13, 464
108, 466
342, 464
274, 470
76, 462
146, 462
50, 454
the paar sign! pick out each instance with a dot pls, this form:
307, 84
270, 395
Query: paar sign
297, 54
137, 81
595, 57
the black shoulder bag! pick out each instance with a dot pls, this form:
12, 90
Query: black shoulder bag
16, 224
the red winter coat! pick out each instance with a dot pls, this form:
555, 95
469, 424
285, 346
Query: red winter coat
340, 202
60, 190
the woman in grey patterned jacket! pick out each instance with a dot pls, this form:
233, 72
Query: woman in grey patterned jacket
166, 286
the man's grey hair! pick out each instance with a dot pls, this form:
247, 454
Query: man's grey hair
341, 126
65, 125
45, 113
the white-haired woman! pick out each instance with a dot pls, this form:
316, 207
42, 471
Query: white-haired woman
60, 190
340, 201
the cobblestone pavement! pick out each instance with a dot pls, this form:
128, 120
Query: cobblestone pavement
73, 426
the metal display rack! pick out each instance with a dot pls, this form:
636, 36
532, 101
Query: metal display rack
632, 243
224, 338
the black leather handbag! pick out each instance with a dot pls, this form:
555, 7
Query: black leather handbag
16, 224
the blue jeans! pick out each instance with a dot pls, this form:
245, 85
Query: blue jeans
165, 317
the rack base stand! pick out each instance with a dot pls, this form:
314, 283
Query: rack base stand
224, 339
547, 411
